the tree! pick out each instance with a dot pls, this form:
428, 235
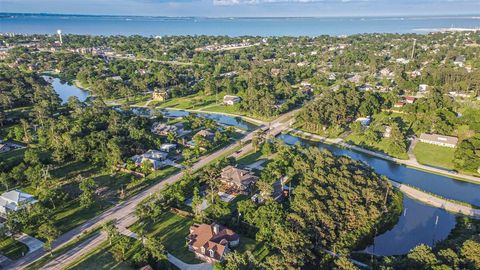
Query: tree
471, 252
48, 232
121, 247
196, 201
422, 257
343, 263
88, 187
111, 230
155, 248
467, 154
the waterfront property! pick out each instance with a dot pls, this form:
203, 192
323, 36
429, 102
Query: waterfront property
231, 100
446, 141
15, 200
211, 242
240, 180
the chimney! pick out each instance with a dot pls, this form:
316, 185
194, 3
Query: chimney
216, 228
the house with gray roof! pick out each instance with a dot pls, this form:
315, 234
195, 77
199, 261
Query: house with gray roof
15, 200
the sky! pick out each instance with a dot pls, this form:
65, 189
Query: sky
245, 8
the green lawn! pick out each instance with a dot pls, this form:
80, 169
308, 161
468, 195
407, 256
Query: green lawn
12, 248
13, 157
172, 230
434, 155
102, 259
196, 101
250, 158
259, 250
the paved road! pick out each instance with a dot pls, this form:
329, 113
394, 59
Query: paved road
124, 212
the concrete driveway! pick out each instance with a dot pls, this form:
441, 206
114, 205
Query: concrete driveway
32, 243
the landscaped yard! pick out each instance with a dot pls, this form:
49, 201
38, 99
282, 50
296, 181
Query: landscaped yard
434, 155
172, 230
12, 249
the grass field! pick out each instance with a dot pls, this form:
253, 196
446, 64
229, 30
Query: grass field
192, 102
12, 248
434, 155
172, 230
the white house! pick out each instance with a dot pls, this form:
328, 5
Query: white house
15, 200
156, 157
365, 121
167, 147
422, 88
231, 100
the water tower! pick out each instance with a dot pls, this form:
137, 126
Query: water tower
59, 32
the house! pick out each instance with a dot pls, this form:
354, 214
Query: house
410, 100
241, 180
388, 132
231, 100
168, 147
164, 129
205, 133
15, 200
422, 88
156, 157
459, 61
160, 95
4, 148
437, 139
364, 87
211, 242
365, 121
399, 104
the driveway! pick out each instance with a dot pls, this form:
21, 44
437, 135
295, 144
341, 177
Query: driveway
185, 266
32, 243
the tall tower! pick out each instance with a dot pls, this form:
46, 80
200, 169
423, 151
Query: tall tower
413, 48
59, 32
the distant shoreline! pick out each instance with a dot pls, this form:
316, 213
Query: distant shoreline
400, 16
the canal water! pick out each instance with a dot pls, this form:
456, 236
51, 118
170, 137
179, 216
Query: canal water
223, 119
441, 185
65, 90
419, 223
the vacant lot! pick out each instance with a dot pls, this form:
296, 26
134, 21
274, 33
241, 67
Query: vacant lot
434, 155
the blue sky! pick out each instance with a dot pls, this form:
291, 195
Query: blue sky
249, 8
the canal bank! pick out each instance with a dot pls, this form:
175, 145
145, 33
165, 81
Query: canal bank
409, 163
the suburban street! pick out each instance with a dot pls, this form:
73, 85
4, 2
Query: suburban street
124, 212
